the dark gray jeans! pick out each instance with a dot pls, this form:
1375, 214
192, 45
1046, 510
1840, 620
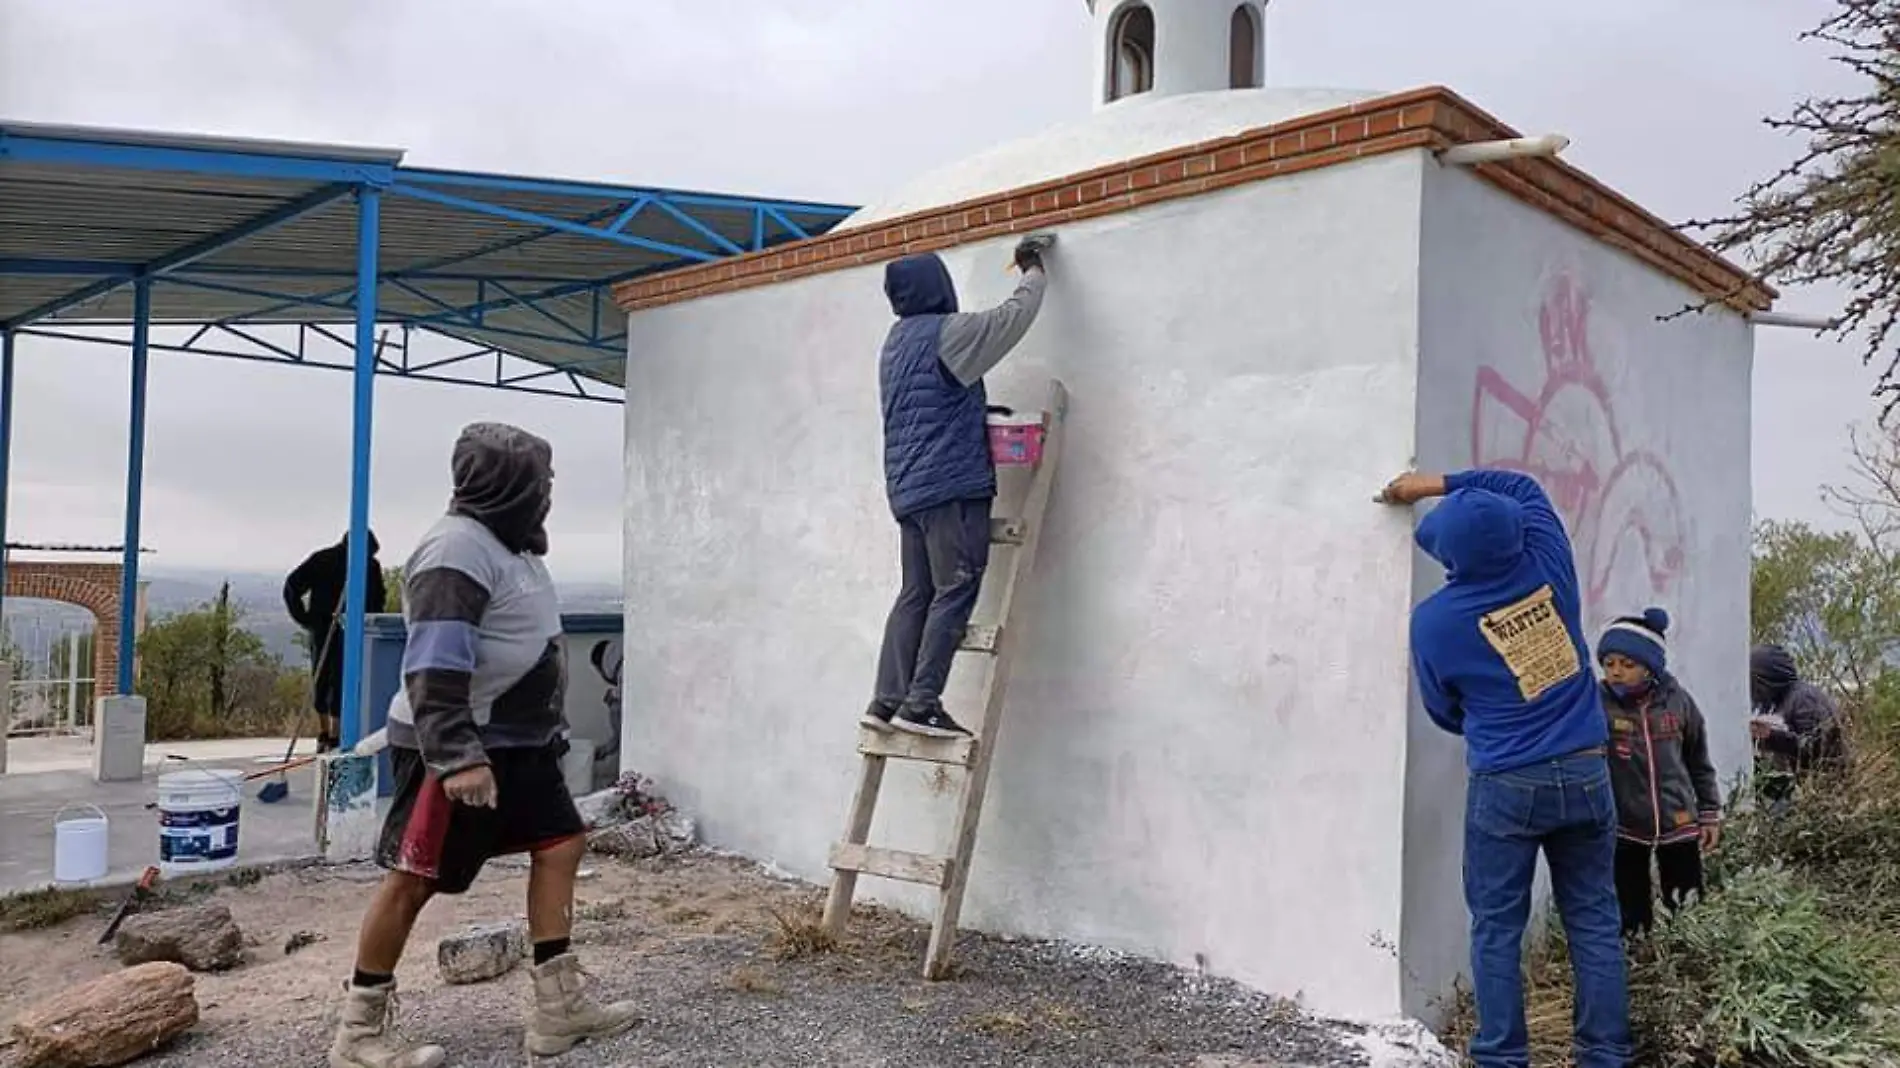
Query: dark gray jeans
945, 551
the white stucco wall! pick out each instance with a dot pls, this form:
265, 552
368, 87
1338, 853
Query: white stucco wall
1540, 349
1207, 733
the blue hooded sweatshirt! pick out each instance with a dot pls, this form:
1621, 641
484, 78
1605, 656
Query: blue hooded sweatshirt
936, 446
1499, 650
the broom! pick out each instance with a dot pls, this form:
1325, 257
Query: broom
278, 789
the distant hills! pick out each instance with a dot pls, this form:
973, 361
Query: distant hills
35, 625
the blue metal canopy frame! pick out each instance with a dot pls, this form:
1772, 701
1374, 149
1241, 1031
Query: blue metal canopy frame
263, 249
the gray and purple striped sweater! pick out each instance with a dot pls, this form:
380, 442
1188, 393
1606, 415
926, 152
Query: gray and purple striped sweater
483, 667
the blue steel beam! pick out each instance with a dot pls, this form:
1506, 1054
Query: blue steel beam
625, 218
193, 252
566, 289
429, 266
421, 372
701, 229
369, 202
450, 200
796, 230
6, 455
134, 482
252, 291
223, 162
679, 197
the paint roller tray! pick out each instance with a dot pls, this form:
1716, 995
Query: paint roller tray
1015, 440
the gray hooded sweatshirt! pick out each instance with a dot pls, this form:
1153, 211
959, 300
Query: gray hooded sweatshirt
483, 667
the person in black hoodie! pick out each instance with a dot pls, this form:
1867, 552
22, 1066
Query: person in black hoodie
1668, 800
1796, 727
313, 595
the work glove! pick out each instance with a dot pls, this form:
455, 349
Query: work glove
1028, 256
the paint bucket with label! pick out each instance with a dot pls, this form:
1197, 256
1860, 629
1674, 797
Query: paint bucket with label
79, 844
198, 820
1015, 440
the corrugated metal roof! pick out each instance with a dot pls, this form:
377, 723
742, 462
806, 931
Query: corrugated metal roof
498, 261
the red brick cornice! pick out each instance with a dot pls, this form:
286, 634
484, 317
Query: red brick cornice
1431, 118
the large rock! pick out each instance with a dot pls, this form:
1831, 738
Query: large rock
603, 808
108, 1021
482, 953
203, 939
648, 836
635, 841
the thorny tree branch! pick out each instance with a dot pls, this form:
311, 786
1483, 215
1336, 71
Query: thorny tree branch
1832, 215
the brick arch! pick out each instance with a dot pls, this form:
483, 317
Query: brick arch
94, 587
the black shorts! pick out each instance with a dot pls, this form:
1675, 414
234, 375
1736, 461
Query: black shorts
433, 838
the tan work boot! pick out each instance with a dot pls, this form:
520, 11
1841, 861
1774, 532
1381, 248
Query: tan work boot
366, 1036
564, 1016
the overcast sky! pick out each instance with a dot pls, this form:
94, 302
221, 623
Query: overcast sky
827, 99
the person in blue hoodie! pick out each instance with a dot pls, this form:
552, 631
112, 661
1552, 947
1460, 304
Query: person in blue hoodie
1500, 659
938, 475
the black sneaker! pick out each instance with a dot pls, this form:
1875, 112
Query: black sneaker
878, 717
931, 722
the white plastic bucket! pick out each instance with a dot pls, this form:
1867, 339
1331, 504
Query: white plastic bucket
198, 820
79, 845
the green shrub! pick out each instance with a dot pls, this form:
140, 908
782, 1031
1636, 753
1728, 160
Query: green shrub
1759, 976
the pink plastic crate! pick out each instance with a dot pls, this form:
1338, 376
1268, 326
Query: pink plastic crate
1016, 440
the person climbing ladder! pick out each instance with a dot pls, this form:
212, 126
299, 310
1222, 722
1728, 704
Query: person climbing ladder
938, 474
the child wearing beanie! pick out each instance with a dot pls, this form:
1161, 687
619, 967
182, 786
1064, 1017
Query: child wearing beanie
1668, 801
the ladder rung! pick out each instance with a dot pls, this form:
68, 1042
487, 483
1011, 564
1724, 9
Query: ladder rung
1008, 531
957, 752
891, 864
980, 639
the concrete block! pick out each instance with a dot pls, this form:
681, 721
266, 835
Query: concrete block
346, 822
481, 953
118, 738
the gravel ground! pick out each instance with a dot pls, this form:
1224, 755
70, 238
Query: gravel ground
718, 958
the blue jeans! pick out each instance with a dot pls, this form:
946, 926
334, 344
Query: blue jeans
1564, 808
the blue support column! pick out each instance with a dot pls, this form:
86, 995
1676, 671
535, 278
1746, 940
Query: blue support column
7, 339
134, 482
368, 235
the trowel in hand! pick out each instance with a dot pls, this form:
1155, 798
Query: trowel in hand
1041, 241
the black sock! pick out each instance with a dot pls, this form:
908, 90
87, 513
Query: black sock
369, 980
547, 951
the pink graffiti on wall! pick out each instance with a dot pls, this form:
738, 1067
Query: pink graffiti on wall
1620, 504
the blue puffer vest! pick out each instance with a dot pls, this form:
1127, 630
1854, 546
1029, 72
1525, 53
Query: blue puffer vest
936, 449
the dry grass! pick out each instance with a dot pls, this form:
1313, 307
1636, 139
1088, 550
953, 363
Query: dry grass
40, 909
799, 932
1047, 1016
748, 979
602, 911
1547, 1011
999, 1024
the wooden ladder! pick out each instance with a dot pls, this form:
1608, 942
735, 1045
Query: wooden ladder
951, 874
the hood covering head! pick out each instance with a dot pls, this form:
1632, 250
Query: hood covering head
920, 285
374, 545
1475, 533
1771, 671
504, 480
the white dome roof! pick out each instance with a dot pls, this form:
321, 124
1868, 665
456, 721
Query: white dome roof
1128, 129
